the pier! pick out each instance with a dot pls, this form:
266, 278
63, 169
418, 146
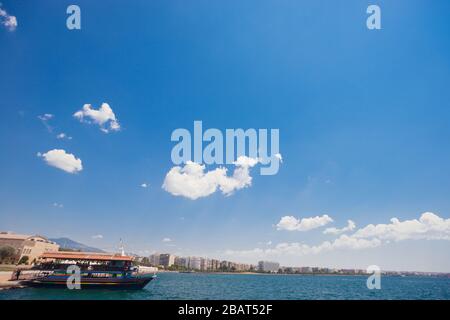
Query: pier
6, 284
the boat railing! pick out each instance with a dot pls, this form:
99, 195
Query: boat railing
21, 275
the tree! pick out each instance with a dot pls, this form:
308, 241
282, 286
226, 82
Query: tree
145, 261
7, 254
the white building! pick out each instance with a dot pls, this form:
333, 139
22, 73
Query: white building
195, 263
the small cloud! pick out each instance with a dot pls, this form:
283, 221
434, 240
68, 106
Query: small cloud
97, 236
7, 20
145, 185
62, 135
291, 223
45, 118
350, 226
166, 240
58, 205
104, 117
58, 158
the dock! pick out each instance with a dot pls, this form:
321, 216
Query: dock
6, 284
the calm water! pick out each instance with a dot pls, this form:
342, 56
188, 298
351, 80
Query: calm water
245, 286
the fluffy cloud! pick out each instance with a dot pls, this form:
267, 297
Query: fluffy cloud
350, 227
191, 181
301, 249
291, 223
7, 20
97, 236
429, 226
104, 117
58, 158
144, 185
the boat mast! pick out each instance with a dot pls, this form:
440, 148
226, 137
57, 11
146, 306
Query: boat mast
122, 250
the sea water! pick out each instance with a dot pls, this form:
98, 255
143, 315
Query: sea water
256, 286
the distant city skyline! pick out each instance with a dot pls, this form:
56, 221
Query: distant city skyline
86, 118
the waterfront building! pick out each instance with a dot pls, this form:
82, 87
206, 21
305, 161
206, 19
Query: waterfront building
181, 262
166, 259
215, 264
268, 266
154, 259
306, 270
195, 263
204, 264
27, 248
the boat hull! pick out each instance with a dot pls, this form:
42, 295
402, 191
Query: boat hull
131, 283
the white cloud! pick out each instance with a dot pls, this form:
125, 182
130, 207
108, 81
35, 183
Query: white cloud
350, 227
291, 223
166, 240
58, 205
62, 135
97, 236
58, 158
7, 20
45, 119
301, 249
429, 226
45, 116
144, 185
191, 181
104, 117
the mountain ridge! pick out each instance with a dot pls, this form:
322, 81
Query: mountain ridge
67, 243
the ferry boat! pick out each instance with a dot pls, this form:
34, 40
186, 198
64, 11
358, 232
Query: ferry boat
97, 270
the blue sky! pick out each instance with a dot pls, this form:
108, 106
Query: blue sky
363, 118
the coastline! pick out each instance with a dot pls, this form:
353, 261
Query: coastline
5, 284
266, 274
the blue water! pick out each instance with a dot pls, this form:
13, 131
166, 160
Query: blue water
249, 286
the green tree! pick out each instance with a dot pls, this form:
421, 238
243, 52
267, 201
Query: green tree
145, 261
7, 254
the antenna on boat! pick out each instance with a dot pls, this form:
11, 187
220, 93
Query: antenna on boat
122, 250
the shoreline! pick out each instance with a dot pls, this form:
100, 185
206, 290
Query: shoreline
5, 284
300, 274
